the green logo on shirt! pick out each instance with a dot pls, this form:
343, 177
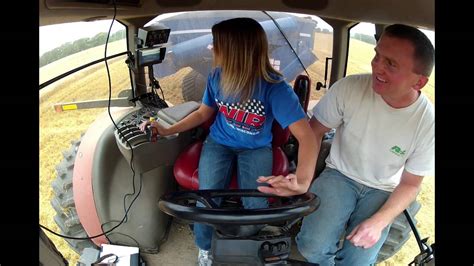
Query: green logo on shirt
397, 151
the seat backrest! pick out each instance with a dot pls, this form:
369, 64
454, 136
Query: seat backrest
302, 88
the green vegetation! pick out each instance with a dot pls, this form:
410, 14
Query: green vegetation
364, 37
78, 46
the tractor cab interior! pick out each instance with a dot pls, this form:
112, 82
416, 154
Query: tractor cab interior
95, 186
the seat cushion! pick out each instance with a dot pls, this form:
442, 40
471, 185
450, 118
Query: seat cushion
186, 166
187, 163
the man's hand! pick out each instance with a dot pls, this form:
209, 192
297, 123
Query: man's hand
367, 233
282, 185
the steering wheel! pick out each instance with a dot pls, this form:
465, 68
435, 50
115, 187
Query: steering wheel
175, 204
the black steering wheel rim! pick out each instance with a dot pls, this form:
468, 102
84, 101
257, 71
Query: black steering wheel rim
299, 206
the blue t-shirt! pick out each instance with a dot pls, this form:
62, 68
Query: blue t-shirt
248, 125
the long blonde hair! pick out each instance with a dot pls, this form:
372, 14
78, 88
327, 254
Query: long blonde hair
241, 50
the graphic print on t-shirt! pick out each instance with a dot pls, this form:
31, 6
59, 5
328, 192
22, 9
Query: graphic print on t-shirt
245, 117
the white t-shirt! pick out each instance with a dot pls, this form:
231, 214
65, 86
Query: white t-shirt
374, 142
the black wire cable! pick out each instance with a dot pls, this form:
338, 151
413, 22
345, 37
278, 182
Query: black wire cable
162, 94
284, 36
124, 219
116, 221
155, 84
122, 234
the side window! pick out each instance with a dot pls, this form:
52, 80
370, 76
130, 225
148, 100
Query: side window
361, 48
64, 47
183, 72
429, 88
322, 48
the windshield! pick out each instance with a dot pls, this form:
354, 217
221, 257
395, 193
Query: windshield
189, 49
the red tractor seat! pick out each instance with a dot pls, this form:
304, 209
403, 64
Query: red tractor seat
186, 165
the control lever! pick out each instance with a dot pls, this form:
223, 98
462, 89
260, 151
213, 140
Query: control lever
151, 132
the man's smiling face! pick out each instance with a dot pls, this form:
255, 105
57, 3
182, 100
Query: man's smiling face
393, 65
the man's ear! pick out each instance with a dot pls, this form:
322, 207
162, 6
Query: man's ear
422, 80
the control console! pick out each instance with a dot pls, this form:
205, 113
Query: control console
149, 153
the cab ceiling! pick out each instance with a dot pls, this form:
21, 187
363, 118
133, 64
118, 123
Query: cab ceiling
418, 13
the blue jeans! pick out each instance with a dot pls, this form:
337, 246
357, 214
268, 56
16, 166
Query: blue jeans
344, 204
215, 172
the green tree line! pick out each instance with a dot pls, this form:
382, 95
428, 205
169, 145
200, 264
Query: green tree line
70, 48
364, 37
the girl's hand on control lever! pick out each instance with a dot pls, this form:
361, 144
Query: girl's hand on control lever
143, 125
161, 129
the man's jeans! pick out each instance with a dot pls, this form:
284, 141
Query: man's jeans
215, 172
344, 204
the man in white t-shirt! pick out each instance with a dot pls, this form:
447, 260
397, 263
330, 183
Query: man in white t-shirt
383, 146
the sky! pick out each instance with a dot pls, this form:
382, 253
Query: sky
369, 29
55, 35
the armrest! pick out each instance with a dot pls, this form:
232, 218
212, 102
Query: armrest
171, 115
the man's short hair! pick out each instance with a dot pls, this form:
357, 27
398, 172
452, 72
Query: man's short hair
424, 50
